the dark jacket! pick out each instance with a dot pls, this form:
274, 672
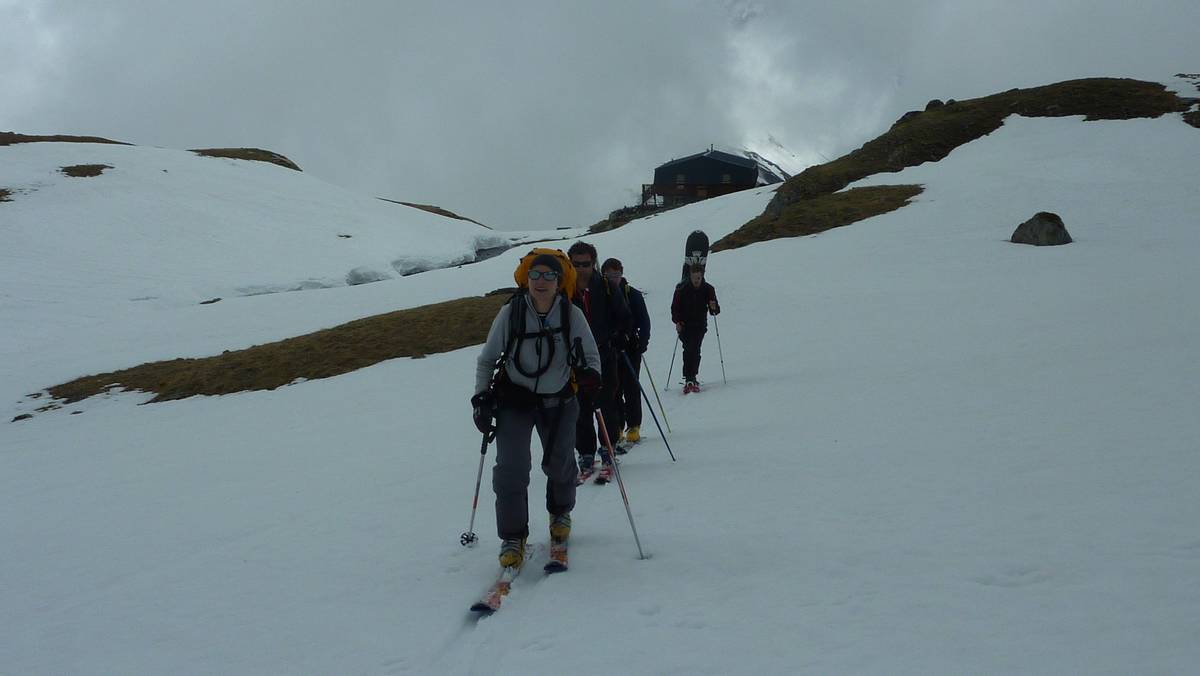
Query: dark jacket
639, 331
606, 310
690, 305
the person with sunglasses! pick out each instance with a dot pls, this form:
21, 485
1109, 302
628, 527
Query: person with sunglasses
532, 340
608, 316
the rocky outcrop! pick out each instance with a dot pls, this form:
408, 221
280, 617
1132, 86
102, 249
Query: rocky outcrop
1044, 229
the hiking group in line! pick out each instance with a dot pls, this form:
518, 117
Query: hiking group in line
568, 344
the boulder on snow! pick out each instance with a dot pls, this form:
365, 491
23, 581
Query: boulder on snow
1044, 229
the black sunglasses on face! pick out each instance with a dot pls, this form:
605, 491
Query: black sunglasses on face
580, 264
548, 275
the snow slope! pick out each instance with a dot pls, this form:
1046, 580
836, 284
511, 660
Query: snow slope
937, 452
172, 225
163, 230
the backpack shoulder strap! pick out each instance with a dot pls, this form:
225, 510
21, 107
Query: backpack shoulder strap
516, 319
567, 306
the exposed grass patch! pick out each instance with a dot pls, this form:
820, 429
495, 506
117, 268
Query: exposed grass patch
821, 213
414, 332
623, 216
608, 224
436, 210
84, 170
8, 138
931, 135
252, 154
1192, 118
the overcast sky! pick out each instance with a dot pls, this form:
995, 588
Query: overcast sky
532, 114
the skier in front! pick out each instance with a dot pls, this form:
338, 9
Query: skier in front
608, 316
694, 300
629, 394
541, 335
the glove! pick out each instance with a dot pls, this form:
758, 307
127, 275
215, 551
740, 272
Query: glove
642, 345
713, 308
483, 407
619, 341
589, 382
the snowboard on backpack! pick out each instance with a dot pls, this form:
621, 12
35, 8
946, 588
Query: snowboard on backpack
695, 252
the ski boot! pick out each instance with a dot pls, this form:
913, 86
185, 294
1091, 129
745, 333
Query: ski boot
560, 531
586, 469
633, 435
560, 527
606, 474
512, 553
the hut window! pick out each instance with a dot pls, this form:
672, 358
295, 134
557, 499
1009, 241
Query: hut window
680, 178
726, 178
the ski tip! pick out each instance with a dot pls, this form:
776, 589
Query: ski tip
482, 608
555, 567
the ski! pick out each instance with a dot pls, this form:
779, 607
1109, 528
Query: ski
494, 596
558, 557
492, 599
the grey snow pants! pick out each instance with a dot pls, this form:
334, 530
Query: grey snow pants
510, 476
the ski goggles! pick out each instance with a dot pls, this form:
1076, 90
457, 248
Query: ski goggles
548, 275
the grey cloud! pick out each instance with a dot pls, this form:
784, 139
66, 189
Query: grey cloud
541, 114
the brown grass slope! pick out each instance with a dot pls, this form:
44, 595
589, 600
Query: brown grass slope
812, 216
8, 138
929, 136
414, 332
84, 170
433, 209
252, 154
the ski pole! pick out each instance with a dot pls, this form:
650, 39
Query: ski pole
672, 368
617, 469
468, 539
654, 386
649, 406
718, 328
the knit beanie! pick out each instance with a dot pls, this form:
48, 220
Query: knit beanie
549, 261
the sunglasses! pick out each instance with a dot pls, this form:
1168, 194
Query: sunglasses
548, 275
580, 264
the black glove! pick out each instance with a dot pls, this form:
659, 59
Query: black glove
642, 345
714, 308
589, 382
483, 407
619, 341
